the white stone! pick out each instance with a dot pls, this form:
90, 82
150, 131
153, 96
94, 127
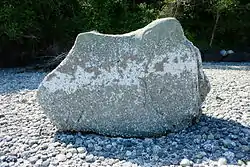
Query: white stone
223, 52
229, 154
230, 52
81, 150
61, 157
186, 162
222, 161
69, 155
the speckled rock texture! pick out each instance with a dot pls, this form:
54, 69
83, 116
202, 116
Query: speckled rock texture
144, 83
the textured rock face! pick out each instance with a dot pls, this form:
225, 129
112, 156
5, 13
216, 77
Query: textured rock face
145, 83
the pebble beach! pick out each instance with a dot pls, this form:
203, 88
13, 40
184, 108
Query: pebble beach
221, 137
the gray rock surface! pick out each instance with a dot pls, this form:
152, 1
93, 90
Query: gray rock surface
145, 83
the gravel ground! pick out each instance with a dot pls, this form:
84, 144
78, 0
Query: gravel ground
27, 137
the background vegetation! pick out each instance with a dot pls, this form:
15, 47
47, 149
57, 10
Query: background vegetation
42, 28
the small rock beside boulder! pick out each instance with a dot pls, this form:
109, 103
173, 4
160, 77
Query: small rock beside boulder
145, 83
225, 56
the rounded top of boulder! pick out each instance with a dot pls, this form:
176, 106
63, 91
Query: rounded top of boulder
172, 25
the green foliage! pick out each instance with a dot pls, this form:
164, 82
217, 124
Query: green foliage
199, 17
32, 27
36, 25
225, 5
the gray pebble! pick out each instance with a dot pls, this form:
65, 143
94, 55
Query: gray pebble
56, 144
127, 164
229, 143
82, 155
72, 150
222, 161
245, 148
33, 159
78, 141
12, 164
156, 149
63, 144
31, 142
46, 163
210, 137
4, 164
39, 162
70, 137
90, 158
101, 158
200, 155
55, 162
61, 157
44, 146
44, 157
241, 163
196, 141
208, 147
52, 154
69, 155
186, 162
229, 154
109, 146
81, 149
128, 153
243, 141
70, 146
90, 145
98, 148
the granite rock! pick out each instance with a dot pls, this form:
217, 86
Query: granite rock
148, 82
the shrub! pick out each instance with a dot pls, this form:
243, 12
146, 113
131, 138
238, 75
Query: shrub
212, 23
35, 28
38, 28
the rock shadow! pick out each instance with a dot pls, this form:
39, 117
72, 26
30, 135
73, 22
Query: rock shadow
209, 139
14, 80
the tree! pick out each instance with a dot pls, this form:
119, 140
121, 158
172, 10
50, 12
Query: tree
217, 8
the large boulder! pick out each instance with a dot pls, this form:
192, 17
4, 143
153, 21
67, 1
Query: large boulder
144, 83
